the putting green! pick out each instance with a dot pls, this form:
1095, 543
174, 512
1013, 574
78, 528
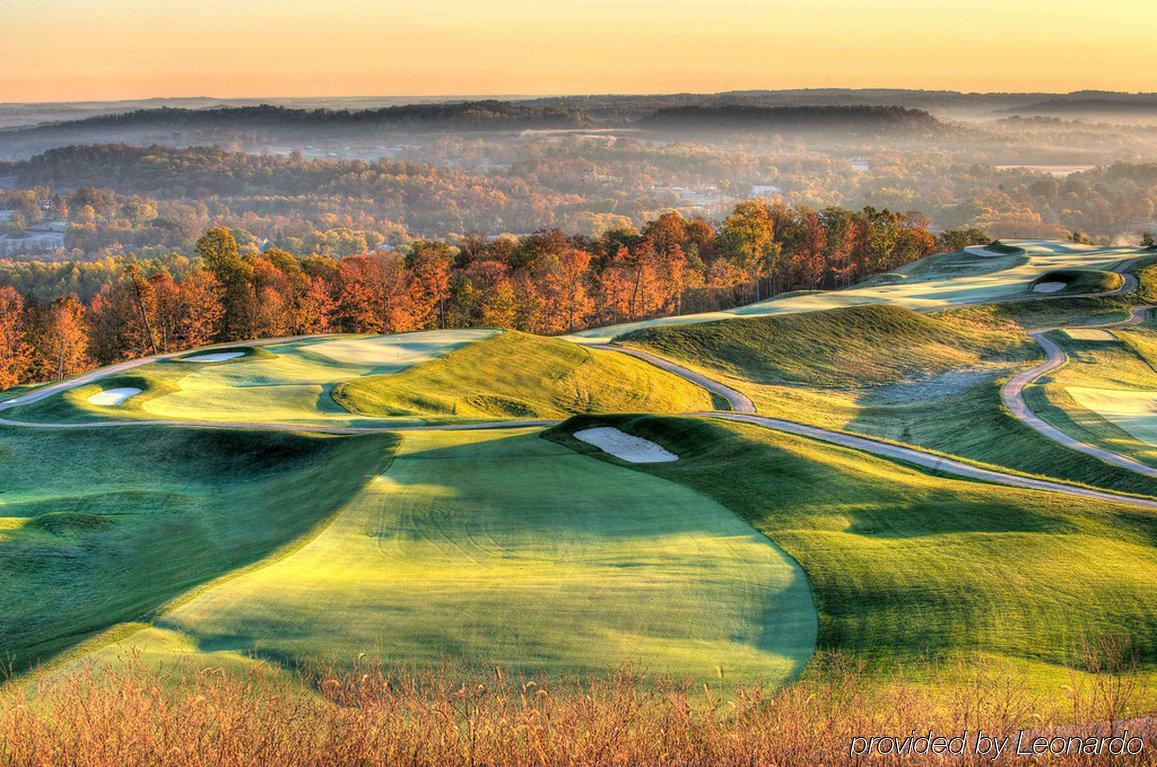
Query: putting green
937, 282
485, 547
1134, 411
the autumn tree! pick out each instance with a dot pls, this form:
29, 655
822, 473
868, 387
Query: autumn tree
223, 259
748, 241
61, 340
15, 353
429, 271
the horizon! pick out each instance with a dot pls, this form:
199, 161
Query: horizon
450, 97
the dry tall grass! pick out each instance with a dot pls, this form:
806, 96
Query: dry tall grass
127, 717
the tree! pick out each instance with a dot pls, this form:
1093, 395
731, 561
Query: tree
748, 240
429, 266
15, 353
61, 340
223, 259
315, 311
566, 300
1147, 240
199, 313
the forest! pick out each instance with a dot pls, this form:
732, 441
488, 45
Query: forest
57, 320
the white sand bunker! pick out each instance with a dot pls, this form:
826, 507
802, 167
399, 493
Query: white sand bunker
215, 357
114, 396
624, 446
1048, 287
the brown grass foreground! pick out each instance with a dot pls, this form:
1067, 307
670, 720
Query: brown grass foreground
127, 716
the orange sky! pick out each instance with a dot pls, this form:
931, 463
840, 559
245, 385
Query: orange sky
56, 50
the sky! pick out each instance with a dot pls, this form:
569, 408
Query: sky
70, 50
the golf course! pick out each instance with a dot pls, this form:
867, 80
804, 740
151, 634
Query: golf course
952, 463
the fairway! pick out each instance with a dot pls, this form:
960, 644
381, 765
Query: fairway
938, 282
457, 555
98, 528
284, 383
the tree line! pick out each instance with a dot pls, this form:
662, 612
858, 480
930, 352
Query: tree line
547, 283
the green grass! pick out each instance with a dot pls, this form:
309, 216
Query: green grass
1037, 313
517, 375
1080, 280
907, 566
865, 345
102, 527
488, 547
996, 246
286, 383
884, 371
1106, 394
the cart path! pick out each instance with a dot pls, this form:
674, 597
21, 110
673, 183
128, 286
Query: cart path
1012, 394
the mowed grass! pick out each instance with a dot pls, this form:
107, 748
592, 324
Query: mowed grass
1106, 394
884, 371
102, 527
938, 282
906, 566
862, 345
1080, 281
484, 548
285, 383
518, 375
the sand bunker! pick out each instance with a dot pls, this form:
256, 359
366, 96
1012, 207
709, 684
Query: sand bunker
624, 446
1089, 334
1048, 287
215, 357
114, 396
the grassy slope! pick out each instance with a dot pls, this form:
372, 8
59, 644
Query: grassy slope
281, 383
1081, 280
1121, 370
948, 400
905, 565
500, 547
100, 527
870, 344
523, 376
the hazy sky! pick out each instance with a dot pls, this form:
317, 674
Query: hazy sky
112, 49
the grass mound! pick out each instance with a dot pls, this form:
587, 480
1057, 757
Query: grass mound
522, 376
905, 565
246, 353
1041, 313
996, 246
853, 346
116, 523
1080, 280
